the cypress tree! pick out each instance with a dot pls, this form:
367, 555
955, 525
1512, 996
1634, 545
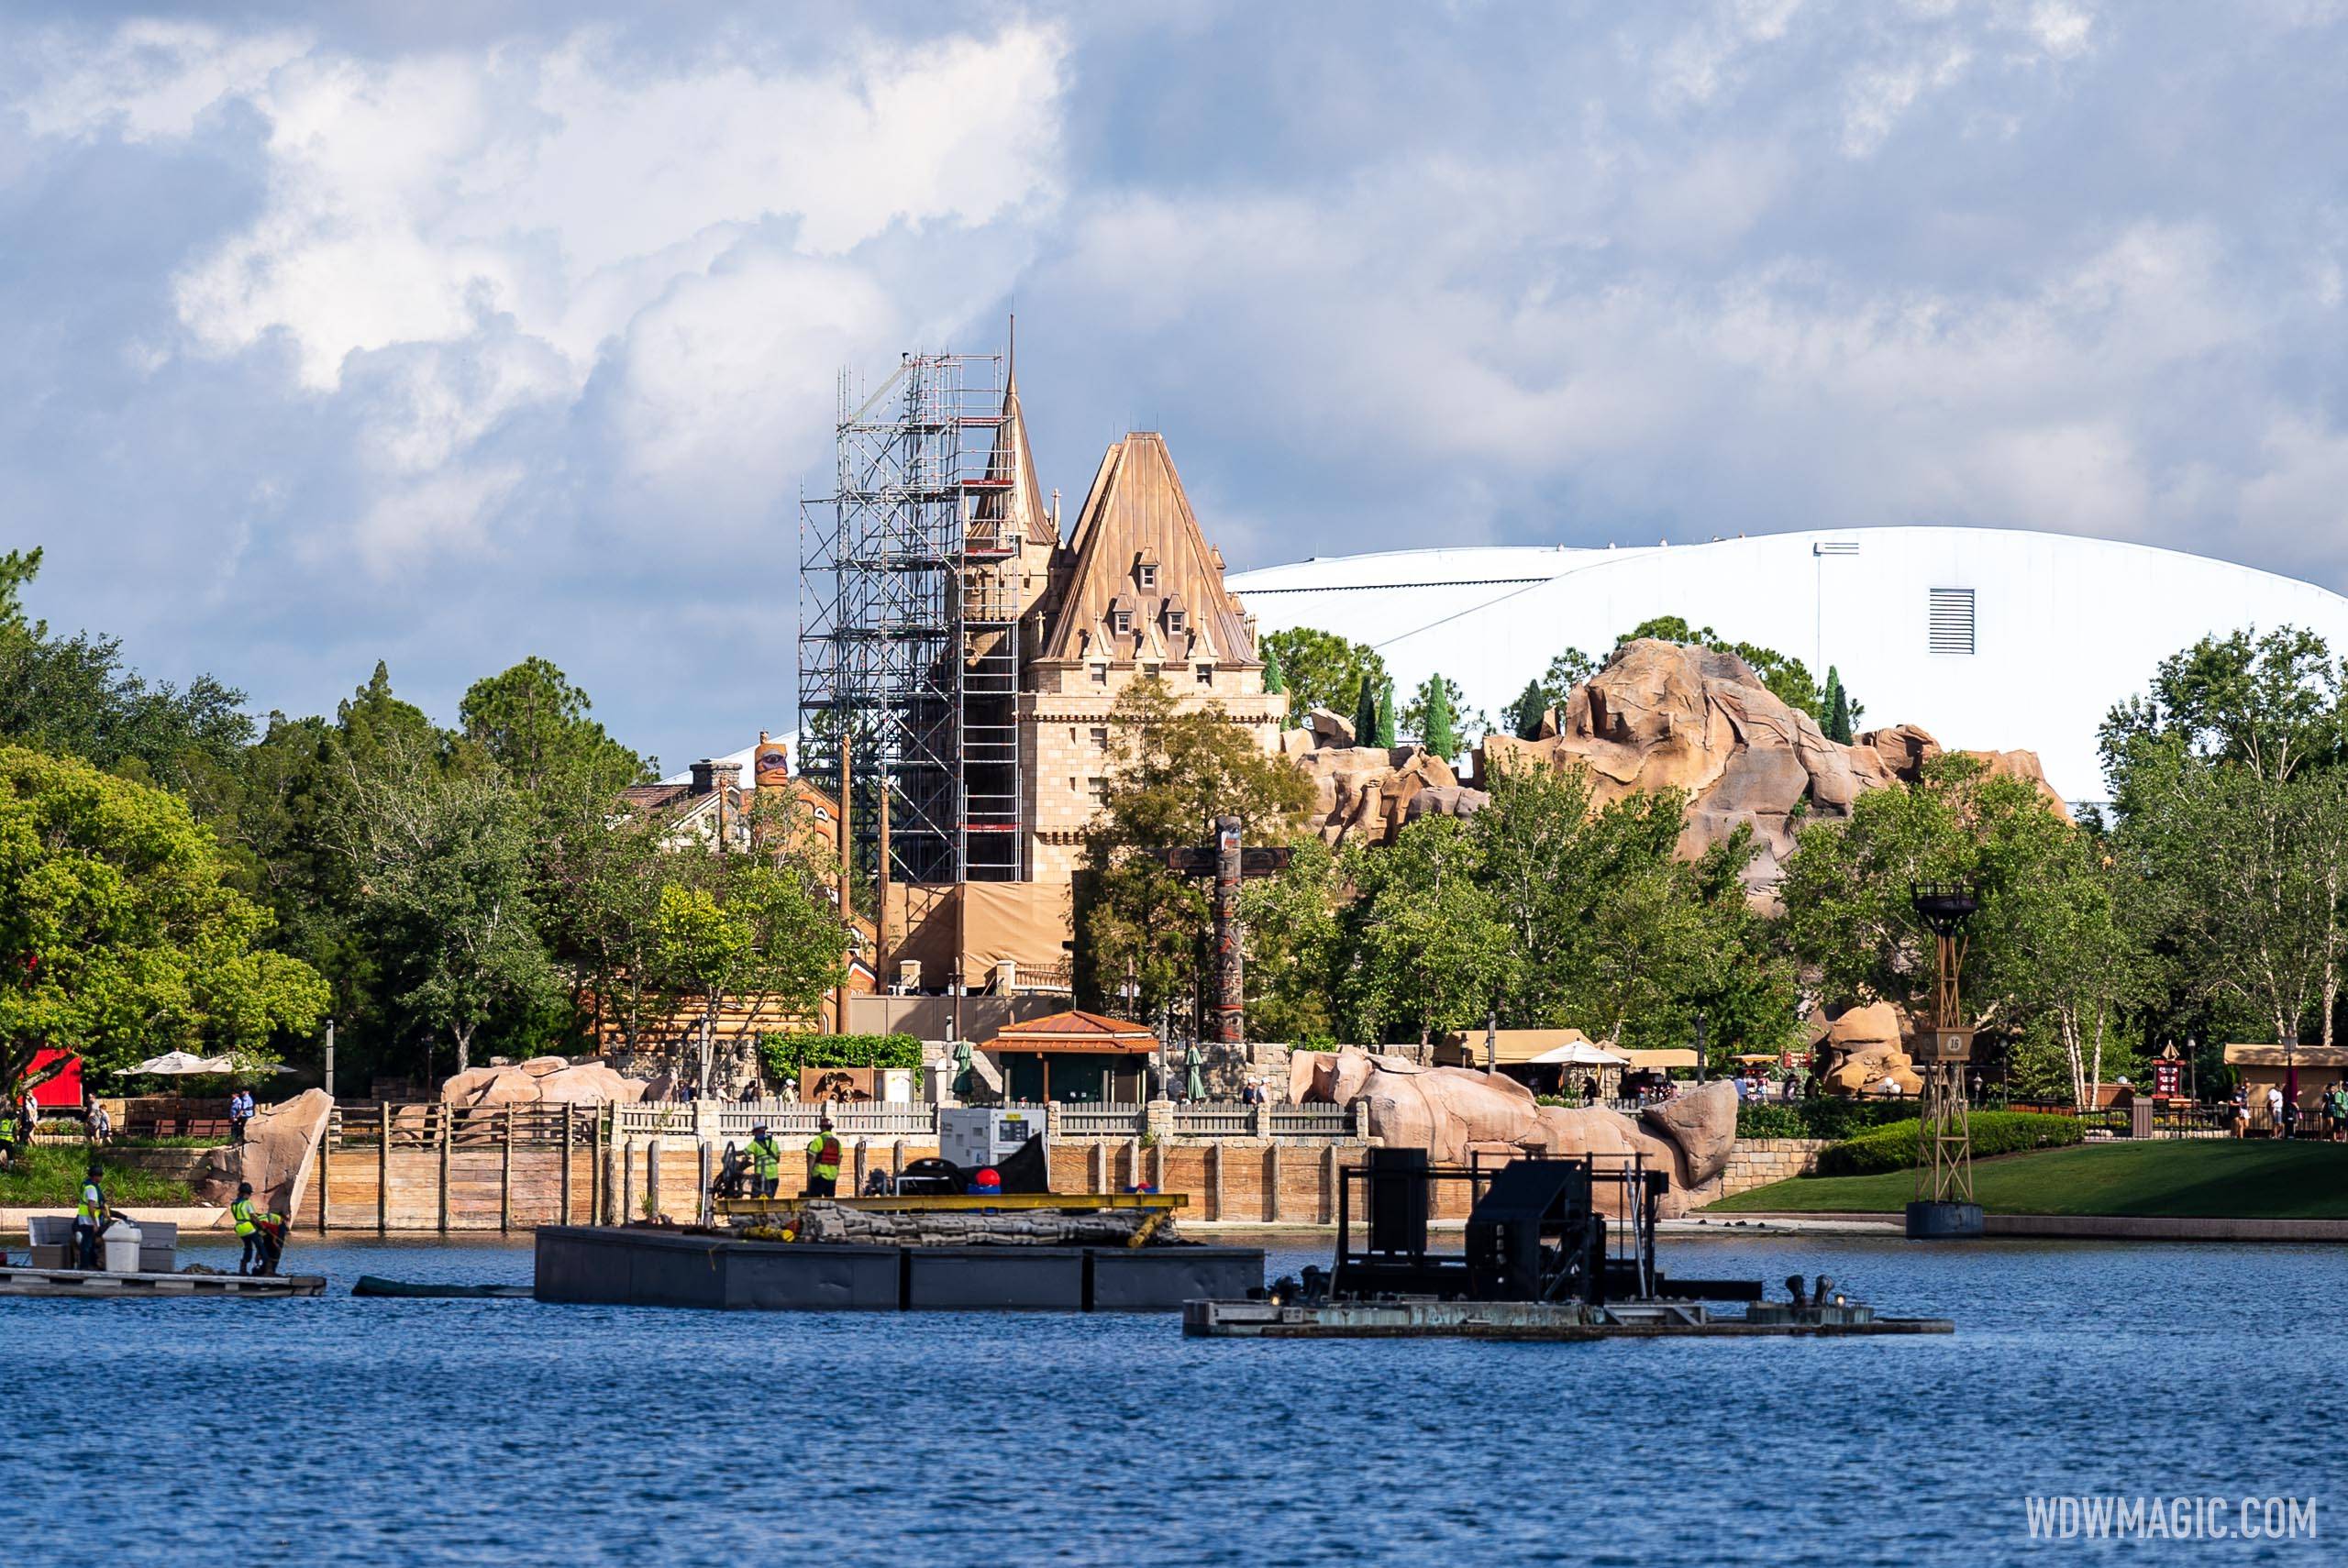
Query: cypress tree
1275, 682
1525, 715
1435, 699
1365, 714
1838, 708
1386, 716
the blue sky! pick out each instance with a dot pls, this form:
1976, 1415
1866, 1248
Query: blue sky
448, 334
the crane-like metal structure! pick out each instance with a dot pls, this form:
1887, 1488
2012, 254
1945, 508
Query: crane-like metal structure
1942, 1205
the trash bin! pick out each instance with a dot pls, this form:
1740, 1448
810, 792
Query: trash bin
122, 1247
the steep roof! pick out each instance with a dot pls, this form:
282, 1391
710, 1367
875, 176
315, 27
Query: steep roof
1020, 507
1138, 513
1075, 1031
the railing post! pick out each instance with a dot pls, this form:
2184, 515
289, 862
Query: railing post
652, 1175
1330, 1176
1215, 1179
384, 1168
447, 1114
569, 1120
505, 1179
1271, 1183
861, 1146
595, 1184
1260, 1120
325, 1159
628, 1179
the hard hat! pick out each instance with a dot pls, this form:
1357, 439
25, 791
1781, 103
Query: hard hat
760, 1127
244, 1188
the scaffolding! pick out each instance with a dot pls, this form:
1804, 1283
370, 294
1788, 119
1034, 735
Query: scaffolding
909, 615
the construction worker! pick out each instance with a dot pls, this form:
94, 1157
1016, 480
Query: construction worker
248, 1231
91, 1218
766, 1162
823, 1161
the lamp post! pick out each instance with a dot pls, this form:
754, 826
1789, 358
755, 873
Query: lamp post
1943, 1206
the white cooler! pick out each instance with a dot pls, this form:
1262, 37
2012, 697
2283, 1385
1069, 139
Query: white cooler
121, 1243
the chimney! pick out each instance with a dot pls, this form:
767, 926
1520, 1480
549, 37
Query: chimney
711, 774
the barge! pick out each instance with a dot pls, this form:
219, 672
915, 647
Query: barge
782, 1254
101, 1285
1543, 1262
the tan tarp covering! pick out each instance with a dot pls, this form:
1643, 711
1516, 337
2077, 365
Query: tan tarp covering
1513, 1049
1026, 922
1667, 1057
2273, 1056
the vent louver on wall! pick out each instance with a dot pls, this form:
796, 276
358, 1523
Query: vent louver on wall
1949, 621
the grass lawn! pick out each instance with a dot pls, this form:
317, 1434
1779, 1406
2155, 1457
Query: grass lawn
51, 1175
2253, 1179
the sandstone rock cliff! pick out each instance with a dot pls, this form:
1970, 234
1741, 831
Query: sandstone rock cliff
275, 1156
1365, 793
1663, 716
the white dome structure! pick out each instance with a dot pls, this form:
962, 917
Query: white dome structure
1992, 640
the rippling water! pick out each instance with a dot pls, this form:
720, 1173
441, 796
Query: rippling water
382, 1431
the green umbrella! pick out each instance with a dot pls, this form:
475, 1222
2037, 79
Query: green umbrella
1197, 1087
961, 1085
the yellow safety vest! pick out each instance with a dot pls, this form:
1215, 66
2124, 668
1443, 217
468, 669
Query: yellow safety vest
766, 1157
92, 1204
823, 1154
242, 1212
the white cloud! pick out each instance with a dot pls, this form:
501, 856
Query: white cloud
488, 225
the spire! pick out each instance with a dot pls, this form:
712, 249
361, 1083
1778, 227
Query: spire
1022, 506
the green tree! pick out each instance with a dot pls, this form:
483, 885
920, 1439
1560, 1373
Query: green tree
1174, 770
1386, 733
533, 722
1320, 670
1434, 954
1291, 946
120, 932
1366, 713
1275, 680
1429, 716
1837, 721
1526, 714
443, 860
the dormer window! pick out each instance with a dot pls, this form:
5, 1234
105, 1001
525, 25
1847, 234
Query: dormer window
1174, 620
1146, 575
1121, 621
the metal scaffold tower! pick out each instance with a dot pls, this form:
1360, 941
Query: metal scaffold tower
909, 624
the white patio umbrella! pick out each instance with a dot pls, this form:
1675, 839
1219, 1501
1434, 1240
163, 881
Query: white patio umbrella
177, 1064
1577, 1054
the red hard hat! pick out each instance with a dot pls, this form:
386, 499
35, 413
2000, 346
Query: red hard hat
988, 1177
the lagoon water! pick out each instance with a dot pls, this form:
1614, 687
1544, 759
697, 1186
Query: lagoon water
347, 1430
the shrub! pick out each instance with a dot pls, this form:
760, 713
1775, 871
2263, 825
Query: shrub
784, 1055
1833, 1117
1893, 1148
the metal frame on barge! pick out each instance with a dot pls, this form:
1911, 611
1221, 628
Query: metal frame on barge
1542, 1261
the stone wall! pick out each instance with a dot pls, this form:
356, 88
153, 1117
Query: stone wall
1757, 1162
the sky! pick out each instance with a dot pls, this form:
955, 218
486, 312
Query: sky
448, 333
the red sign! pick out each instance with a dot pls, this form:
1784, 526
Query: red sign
2166, 1077
63, 1092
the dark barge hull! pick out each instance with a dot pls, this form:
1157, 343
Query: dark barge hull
1520, 1320
632, 1266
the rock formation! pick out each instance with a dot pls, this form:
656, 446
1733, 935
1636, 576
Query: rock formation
1365, 793
1457, 1112
553, 1080
1864, 1047
1663, 716
275, 1156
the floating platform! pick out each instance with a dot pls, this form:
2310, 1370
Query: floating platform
96, 1283
1403, 1320
656, 1266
